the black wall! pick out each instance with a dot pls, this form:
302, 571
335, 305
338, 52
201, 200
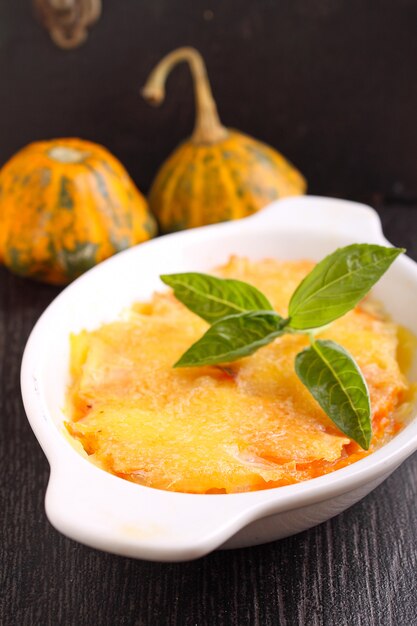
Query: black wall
331, 83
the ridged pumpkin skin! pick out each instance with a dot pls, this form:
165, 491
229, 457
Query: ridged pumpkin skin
226, 180
219, 174
66, 205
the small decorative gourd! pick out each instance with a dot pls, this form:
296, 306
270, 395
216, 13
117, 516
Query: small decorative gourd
66, 205
218, 174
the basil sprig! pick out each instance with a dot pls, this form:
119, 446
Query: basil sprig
234, 337
214, 298
336, 382
243, 321
338, 283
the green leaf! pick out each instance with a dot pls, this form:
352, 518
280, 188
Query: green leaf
214, 298
334, 379
232, 338
338, 283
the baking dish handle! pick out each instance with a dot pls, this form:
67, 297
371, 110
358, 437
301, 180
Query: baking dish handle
323, 214
112, 514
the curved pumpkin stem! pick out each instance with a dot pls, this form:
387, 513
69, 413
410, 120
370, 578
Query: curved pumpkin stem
208, 128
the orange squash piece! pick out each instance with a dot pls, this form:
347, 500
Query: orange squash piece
66, 205
219, 173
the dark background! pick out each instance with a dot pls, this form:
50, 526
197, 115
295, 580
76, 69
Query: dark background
332, 84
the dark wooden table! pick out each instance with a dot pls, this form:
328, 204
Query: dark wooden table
358, 569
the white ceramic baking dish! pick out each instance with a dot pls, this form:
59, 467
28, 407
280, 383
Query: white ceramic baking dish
109, 513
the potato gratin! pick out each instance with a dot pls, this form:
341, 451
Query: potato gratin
245, 426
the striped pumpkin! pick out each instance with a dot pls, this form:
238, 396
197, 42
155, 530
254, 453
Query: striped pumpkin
218, 174
66, 205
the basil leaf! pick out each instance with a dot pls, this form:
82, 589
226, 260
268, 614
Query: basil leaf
334, 379
213, 298
232, 338
338, 283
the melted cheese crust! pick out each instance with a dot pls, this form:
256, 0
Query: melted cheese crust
248, 426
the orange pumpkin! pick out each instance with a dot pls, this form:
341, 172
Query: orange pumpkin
66, 205
218, 174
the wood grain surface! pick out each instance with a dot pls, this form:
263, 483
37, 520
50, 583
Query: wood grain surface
358, 569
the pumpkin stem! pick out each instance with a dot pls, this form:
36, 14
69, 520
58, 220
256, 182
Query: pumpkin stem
208, 128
